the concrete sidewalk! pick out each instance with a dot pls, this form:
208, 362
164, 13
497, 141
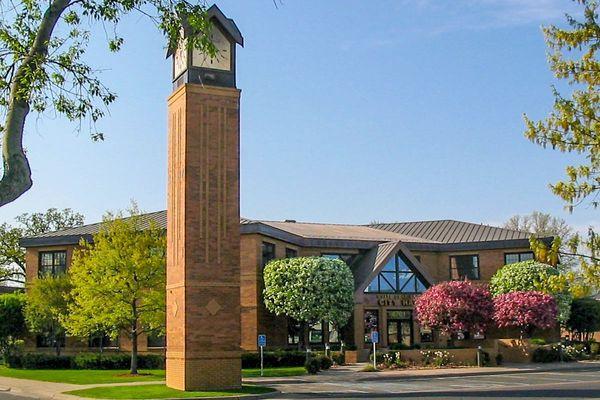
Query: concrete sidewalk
353, 373
52, 390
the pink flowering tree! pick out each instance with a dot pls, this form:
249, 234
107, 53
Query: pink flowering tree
455, 306
525, 310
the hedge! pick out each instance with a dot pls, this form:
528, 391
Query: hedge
274, 359
84, 361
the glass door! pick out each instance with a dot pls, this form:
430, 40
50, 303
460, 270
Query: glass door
400, 327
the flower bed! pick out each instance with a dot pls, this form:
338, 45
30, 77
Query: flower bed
435, 358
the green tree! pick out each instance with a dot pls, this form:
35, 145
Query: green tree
527, 276
43, 67
585, 318
47, 307
574, 124
12, 322
12, 255
309, 289
119, 281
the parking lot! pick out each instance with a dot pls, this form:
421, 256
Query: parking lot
560, 384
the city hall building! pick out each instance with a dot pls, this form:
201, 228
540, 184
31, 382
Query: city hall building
392, 263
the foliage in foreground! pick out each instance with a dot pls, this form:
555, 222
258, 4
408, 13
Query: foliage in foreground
455, 306
572, 126
43, 66
118, 282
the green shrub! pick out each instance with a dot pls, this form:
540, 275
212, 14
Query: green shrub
312, 365
85, 361
45, 361
278, 358
484, 358
325, 362
499, 359
400, 346
538, 341
594, 348
350, 347
338, 358
545, 354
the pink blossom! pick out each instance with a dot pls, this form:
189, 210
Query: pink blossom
525, 310
455, 306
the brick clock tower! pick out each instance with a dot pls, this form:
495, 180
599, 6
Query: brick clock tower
203, 216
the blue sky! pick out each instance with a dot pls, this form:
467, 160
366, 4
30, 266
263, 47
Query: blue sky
352, 111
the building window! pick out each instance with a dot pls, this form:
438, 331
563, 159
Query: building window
268, 253
294, 331
397, 276
290, 253
157, 341
426, 335
371, 322
315, 333
464, 267
347, 258
52, 263
103, 341
511, 258
50, 341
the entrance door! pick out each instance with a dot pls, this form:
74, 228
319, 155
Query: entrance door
400, 327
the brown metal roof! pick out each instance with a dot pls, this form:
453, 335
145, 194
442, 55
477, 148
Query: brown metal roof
450, 231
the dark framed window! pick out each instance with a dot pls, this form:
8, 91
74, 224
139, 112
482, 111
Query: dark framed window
103, 341
511, 258
347, 258
294, 331
397, 276
464, 267
49, 340
371, 323
315, 333
157, 341
52, 263
290, 253
268, 253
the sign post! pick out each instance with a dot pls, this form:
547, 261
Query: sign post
375, 340
262, 342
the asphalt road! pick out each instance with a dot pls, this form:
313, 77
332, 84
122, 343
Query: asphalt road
540, 385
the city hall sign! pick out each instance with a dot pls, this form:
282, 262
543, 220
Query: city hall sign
395, 300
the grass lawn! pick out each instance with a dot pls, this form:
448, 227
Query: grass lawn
159, 392
82, 376
274, 372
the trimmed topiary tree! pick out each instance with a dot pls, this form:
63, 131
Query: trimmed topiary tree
525, 310
533, 276
309, 289
585, 318
455, 306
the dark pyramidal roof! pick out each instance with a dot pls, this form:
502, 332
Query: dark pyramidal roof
436, 232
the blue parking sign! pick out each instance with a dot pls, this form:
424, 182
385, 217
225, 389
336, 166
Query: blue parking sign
262, 340
375, 337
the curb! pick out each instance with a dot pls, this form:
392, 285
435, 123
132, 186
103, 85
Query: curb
4, 389
482, 373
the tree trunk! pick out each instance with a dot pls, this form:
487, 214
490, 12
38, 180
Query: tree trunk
134, 354
16, 178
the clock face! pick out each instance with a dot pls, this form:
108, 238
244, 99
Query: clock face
222, 60
180, 59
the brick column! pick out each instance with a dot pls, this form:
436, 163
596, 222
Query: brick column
203, 239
